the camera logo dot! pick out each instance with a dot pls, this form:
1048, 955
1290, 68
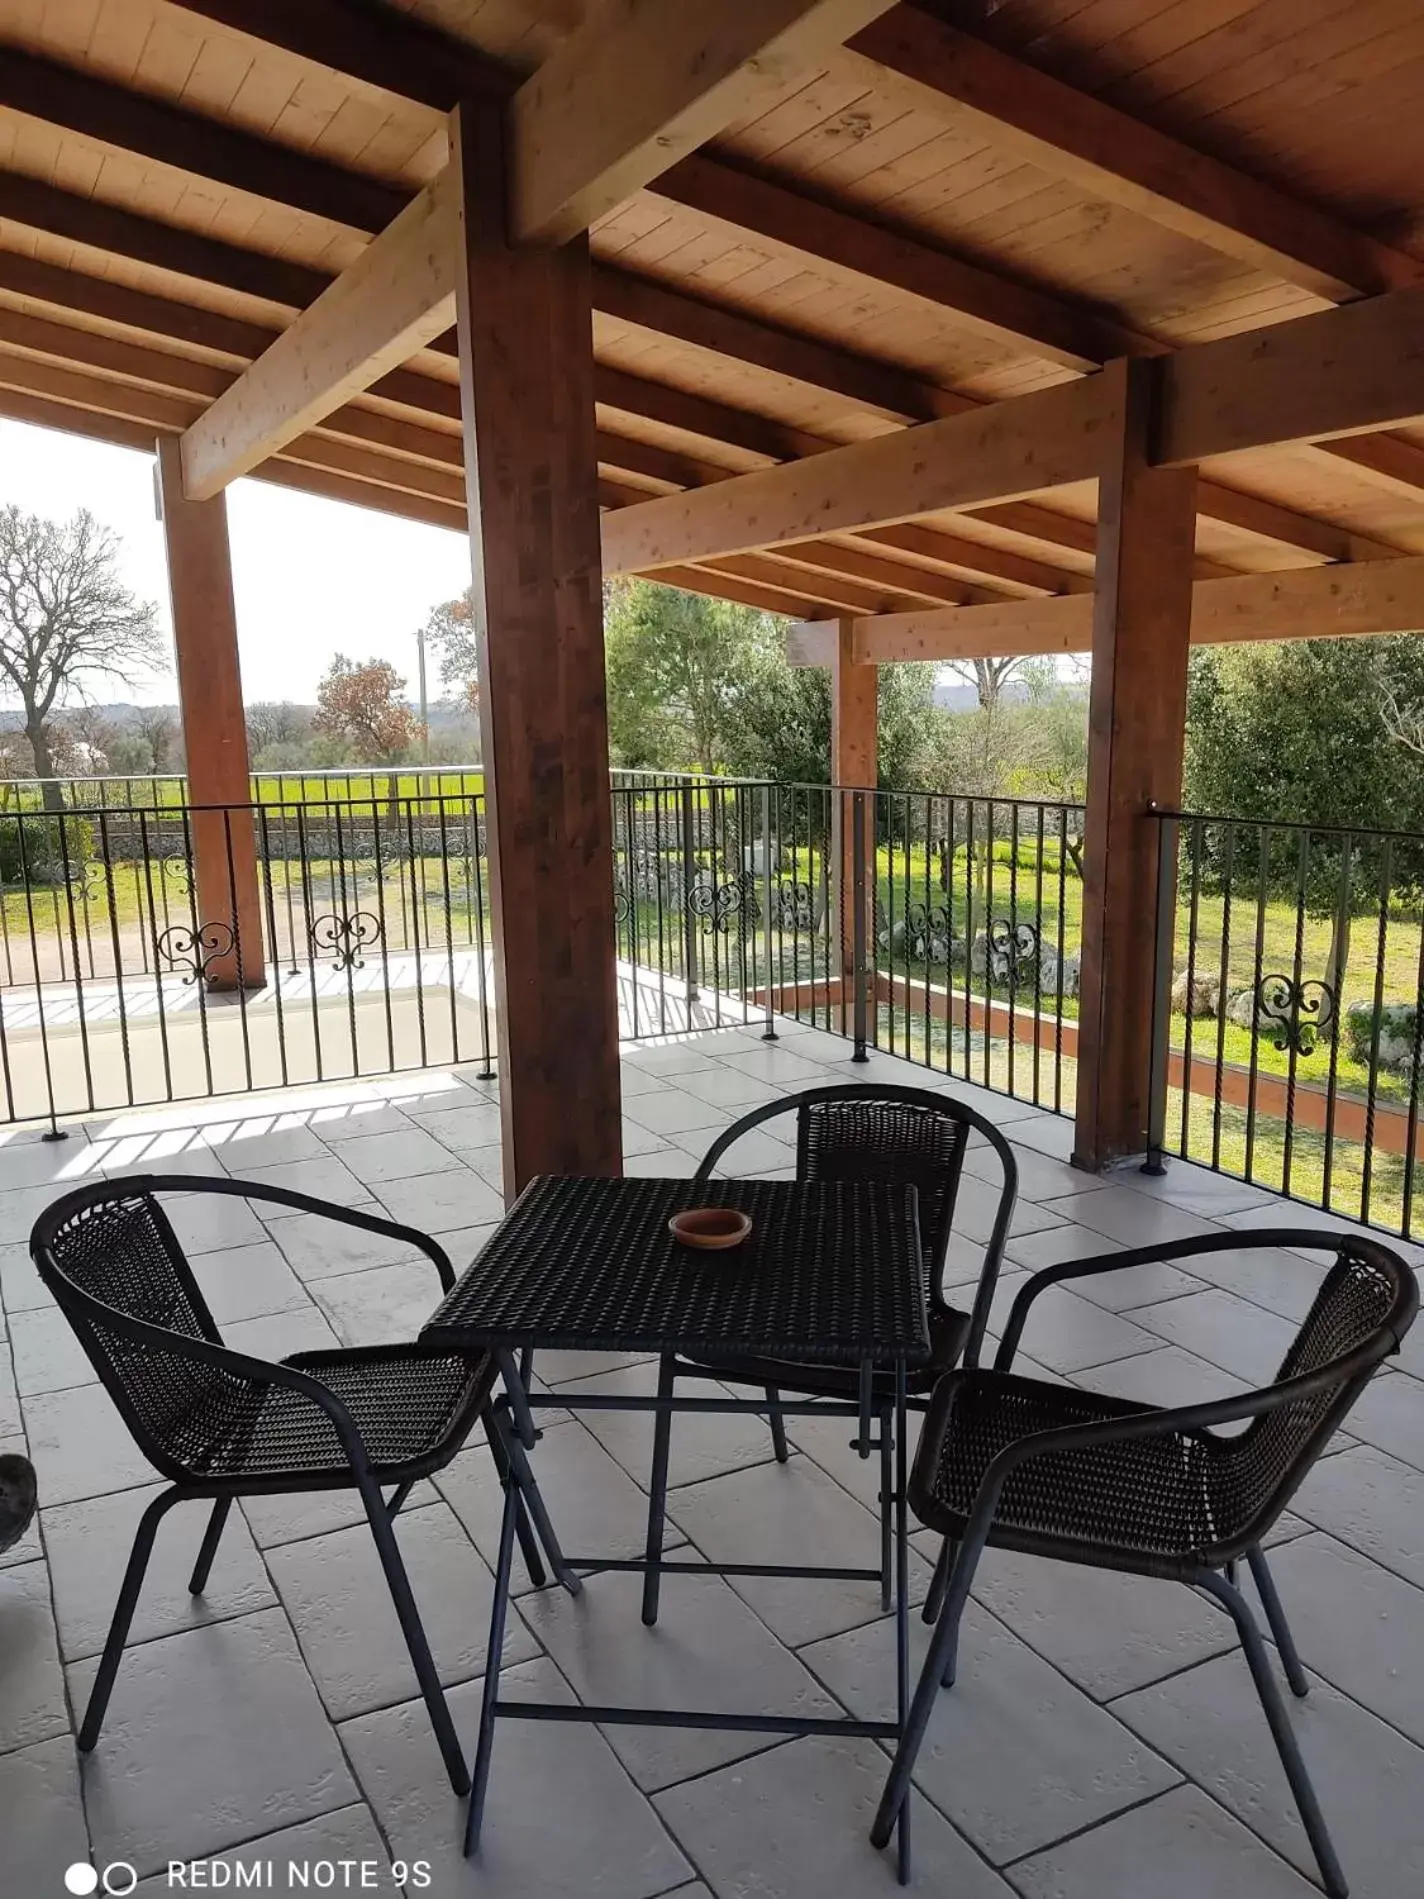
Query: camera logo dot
117, 1879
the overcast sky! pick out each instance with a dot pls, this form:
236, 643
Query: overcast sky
312, 577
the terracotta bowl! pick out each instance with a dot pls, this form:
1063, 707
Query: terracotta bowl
710, 1229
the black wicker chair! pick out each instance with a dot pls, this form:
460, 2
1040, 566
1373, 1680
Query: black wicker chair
907, 1136
220, 1424
1050, 1470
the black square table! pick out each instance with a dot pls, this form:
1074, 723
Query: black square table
830, 1274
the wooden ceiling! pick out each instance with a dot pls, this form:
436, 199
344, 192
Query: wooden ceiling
969, 202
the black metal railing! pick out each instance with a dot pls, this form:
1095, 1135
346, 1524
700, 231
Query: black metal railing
1290, 1010
938, 928
163, 951
420, 784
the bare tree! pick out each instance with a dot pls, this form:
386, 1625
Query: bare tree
987, 676
1403, 718
158, 729
65, 618
452, 631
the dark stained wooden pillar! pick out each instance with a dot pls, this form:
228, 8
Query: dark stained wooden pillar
1136, 727
854, 766
526, 386
226, 886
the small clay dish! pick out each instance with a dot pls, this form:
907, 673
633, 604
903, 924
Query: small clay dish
710, 1229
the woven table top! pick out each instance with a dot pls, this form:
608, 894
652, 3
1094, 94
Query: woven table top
830, 1273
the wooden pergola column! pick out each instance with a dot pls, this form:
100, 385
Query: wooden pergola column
226, 887
854, 766
526, 390
1136, 727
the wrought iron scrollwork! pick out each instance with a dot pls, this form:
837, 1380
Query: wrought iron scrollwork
1297, 1013
793, 905
179, 872
195, 949
1011, 950
929, 933
717, 904
346, 936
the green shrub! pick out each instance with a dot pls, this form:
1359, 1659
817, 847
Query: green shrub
42, 849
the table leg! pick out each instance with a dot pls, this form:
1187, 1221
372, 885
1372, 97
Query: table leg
518, 1391
528, 1542
528, 1495
489, 1693
902, 1599
657, 1498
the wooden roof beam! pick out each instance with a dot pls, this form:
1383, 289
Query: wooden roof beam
1012, 448
398, 294
1119, 159
1358, 601
643, 82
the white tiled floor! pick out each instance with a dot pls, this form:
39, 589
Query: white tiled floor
1102, 1741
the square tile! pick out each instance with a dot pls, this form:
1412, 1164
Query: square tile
44, 1816
729, 1088
335, 1591
32, 1704
1355, 1624
1132, 1218
246, 1282
88, 1545
21, 1288
778, 1065
336, 1125
595, 1507
707, 1650
1389, 1414
1167, 1377
380, 1306
80, 1446
324, 1179
213, 1222
1014, 1754
759, 1151
703, 1445
319, 1249
673, 1111
1106, 1631
1189, 1844
599, 1840
662, 1059
1283, 1282
795, 1822
1215, 1325
47, 1355
439, 1203
396, 1156
212, 1738
1370, 1781
280, 1335
791, 1513
1067, 1333
263, 1141
310, 1513
1372, 1502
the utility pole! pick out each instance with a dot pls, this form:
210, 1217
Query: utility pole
424, 701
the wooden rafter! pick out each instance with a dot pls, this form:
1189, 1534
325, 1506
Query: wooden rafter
1120, 159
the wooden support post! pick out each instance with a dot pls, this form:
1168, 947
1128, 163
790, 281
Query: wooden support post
1136, 726
226, 887
854, 767
526, 386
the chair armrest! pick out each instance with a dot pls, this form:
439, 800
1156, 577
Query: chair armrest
1039, 1282
302, 1203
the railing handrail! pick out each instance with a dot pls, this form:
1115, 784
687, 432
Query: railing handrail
1169, 813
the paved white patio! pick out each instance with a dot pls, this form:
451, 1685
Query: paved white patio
1102, 1741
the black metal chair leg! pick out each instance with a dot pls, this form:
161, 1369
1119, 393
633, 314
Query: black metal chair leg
409, 1617
938, 1666
1280, 1628
778, 1424
887, 1509
398, 1499
657, 1489
489, 1689
212, 1536
123, 1616
1282, 1732
934, 1598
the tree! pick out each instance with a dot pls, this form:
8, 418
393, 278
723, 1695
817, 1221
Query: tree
675, 666
782, 723
65, 619
360, 706
277, 728
158, 729
1302, 732
451, 631
987, 676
